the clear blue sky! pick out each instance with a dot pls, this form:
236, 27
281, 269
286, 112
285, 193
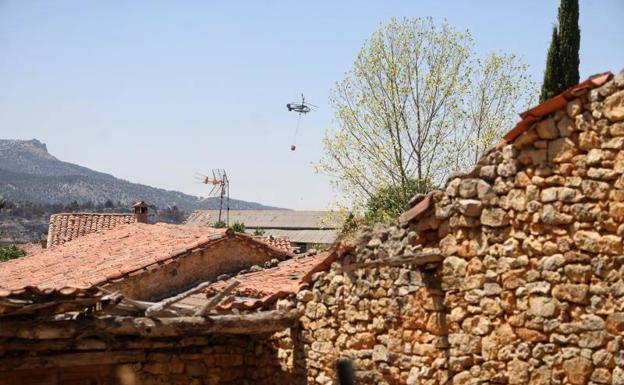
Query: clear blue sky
154, 91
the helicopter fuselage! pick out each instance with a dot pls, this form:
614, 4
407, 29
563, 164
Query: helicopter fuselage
301, 108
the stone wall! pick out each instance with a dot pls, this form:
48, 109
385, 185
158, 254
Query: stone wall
389, 321
230, 360
531, 287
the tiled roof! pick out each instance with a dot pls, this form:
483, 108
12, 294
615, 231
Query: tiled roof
263, 288
271, 219
65, 227
282, 243
30, 248
528, 118
109, 255
48, 301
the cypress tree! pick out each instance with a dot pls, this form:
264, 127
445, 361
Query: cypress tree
562, 62
569, 42
550, 86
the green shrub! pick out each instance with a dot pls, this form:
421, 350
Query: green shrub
390, 202
239, 227
10, 252
219, 224
350, 225
259, 232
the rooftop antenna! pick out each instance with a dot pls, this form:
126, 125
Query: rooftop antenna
219, 187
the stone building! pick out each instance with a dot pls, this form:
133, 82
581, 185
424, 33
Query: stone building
106, 308
513, 274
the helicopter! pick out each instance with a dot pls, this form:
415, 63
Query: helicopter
300, 108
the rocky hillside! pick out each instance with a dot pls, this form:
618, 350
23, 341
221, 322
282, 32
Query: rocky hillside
29, 173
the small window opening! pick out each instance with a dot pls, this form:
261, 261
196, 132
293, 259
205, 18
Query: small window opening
345, 372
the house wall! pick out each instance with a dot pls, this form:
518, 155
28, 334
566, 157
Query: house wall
531, 287
225, 257
221, 361
389, 322
231, 361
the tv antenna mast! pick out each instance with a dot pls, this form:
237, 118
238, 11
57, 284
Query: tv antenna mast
219, 187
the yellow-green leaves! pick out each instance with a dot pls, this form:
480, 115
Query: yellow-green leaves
417, 104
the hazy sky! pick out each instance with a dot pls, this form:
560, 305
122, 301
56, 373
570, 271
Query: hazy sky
155, 91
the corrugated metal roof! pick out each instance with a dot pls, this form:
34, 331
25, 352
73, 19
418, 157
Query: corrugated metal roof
271, 219
303, 236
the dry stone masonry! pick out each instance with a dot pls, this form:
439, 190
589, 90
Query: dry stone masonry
531, 286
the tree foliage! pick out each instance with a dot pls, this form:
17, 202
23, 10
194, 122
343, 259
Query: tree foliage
562, 60
569, 42
418, 104
10, 252
390, 201
550, 85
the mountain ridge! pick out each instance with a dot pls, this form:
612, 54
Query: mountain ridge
28, 172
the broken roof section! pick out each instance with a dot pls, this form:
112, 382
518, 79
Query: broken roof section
279, 242
261, 289
528, 118
102, 257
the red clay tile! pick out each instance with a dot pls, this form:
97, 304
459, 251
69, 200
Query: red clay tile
264, 287
66, 227
98, 257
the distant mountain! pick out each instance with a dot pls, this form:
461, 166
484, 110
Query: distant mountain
29, 173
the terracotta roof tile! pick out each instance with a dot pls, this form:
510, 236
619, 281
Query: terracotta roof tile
98, 257
30, 248
32, 299
263, 288
278, 242
65, 227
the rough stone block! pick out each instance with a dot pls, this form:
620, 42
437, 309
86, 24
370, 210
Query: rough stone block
614, 107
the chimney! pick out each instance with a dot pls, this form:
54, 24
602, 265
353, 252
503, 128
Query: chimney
140, 211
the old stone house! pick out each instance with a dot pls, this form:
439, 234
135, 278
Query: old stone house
514, 274
104, 309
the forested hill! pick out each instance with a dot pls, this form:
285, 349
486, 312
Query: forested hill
29, 173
